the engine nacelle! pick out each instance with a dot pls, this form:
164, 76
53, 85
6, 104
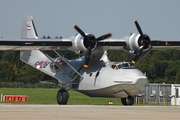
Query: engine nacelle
80, 45
135, 41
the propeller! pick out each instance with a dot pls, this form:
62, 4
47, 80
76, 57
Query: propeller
90, 41
143, 42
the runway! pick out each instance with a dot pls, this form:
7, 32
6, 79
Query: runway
90, 112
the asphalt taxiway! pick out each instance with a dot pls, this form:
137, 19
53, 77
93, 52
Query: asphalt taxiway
90, 112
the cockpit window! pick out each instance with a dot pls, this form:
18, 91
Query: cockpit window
124, 65
121, 65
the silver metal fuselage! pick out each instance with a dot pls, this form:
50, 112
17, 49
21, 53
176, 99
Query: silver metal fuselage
107, 82
98, 80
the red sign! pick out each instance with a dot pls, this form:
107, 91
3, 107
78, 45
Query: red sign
15, 98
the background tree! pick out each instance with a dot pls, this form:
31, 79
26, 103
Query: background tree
159, 65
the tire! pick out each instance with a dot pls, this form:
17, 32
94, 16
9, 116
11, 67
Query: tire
62, 97
130, 100
127, 101
123, 100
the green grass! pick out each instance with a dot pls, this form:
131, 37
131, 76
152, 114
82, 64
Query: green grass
48, 96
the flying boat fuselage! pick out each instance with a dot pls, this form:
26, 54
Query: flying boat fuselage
109, 82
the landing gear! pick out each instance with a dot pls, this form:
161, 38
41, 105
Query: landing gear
62, 97
127, 101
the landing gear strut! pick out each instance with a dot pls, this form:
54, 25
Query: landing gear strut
127, 101
62, 97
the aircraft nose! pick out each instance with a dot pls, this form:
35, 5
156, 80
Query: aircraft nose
139, 78
141, 81
130, 81
131, 76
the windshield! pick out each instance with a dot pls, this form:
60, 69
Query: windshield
121, 65
124, 65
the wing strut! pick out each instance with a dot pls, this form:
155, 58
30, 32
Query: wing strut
140, 57
56, 64
68, 63
143, 56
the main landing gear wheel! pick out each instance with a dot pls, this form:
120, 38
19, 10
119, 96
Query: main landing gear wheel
62, 97
127, 101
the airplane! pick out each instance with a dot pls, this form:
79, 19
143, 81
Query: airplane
92, 74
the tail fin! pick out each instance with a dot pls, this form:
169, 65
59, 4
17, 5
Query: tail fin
28, 29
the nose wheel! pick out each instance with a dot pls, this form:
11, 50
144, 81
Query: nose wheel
127, 101
62, 97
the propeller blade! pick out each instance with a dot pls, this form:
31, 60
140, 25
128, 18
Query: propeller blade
87, 58
79, 30
138, 27
143, 43
104, 37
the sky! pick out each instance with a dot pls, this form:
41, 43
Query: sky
160, 19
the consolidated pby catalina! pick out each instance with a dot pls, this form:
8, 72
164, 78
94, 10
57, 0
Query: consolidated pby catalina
92, 74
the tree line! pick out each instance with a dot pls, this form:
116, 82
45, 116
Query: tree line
160, 66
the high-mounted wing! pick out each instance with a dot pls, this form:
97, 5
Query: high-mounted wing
112, 42
85, 42
168, 43
32, 44
82, 42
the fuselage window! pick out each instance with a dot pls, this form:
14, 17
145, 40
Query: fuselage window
124, 65
97, 73
90, 74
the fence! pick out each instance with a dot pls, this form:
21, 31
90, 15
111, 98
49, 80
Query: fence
157, 94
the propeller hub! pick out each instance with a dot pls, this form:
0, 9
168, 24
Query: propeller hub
144, 40
90, 41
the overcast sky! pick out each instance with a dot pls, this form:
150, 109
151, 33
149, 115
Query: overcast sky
160, 19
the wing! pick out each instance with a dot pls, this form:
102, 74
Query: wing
122, 43
112, 42
80, 43
32, 44
165, 43
115, 44
30, 41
